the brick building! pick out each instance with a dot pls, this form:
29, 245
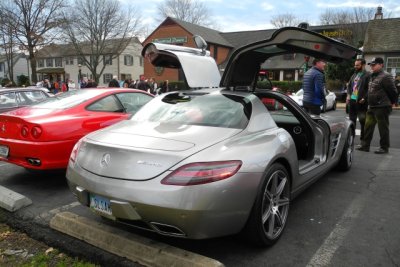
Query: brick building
380, 38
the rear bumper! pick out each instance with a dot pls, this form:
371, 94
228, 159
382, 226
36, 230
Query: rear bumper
196, 212
38, 155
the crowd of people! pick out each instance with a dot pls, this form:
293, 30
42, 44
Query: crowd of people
149, 85
370, 97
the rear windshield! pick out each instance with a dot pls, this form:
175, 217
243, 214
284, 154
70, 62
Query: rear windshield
68, 99
216, 110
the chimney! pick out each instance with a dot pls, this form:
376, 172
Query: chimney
379, 14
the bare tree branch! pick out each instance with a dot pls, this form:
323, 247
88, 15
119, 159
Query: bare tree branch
100, 27
284, 20
33, 23
353, 22
192, 11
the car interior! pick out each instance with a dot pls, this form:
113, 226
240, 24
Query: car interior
287, 118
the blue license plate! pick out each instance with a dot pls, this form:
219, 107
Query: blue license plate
100, 204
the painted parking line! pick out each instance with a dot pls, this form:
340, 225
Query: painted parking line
326, 251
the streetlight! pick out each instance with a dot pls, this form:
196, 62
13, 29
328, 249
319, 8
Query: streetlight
80, 75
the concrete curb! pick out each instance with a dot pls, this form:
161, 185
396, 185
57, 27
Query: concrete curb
135, 248
12, 201
343, 106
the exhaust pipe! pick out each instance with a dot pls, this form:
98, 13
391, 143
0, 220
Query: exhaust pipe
34, 162
166, 229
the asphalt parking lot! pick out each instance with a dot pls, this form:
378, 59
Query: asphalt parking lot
344, 219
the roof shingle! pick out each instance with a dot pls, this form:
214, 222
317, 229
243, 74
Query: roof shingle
382, 36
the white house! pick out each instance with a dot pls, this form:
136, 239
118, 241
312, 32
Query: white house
60, 62
21, 66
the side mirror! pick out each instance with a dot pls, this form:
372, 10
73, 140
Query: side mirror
200, 43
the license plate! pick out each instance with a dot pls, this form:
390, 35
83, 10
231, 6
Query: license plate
4, 151
100, 204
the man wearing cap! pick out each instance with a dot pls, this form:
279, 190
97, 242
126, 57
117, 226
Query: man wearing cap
314, 87
382, 94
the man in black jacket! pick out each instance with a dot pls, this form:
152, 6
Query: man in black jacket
382, 94
357, 92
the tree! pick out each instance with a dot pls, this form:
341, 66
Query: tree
192, 11
99, 28
284, 20
32, 22
7, 45
353, 22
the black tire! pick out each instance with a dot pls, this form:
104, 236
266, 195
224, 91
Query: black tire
334, 105
346, 158
323, 110
269, 214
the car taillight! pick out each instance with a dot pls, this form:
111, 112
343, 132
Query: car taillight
24, 131
75, 150
202, 173
36, 132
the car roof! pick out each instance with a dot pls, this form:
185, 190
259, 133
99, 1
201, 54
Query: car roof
19, 89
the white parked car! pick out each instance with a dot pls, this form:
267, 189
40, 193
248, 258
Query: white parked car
330, 103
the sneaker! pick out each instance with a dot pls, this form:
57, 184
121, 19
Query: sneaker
381, 151
362, 148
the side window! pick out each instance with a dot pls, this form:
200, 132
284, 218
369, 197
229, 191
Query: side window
107, 104
132, 102
28, 98
8, 100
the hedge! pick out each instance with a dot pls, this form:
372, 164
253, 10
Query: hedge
284, 86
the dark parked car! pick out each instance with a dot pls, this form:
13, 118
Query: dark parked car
13, 98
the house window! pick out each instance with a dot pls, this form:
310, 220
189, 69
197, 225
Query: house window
215, 52
1, 66
58, 62
49, 62
40, 63
107, 60
141, 61
128, 60
80, 60
393, 65
69, 61
92, 60
125, 76
107, 77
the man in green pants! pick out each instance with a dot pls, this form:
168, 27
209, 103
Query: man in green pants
382, 94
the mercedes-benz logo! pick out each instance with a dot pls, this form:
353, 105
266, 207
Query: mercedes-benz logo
105, 160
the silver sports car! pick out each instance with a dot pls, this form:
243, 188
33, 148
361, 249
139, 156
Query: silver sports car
218, 159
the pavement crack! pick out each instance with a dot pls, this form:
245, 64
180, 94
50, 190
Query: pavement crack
390, 257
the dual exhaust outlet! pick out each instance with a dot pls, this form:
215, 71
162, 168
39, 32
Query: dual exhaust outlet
34, 162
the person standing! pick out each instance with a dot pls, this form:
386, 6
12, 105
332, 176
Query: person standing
382, 94
357, 92
153, 86
165, 87
314, 87
142, 85
114, 82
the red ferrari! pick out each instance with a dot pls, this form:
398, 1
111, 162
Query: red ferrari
41, 137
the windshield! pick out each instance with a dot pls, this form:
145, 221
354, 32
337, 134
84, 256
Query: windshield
216, 110
68, 99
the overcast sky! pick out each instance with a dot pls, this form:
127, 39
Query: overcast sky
241, 15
